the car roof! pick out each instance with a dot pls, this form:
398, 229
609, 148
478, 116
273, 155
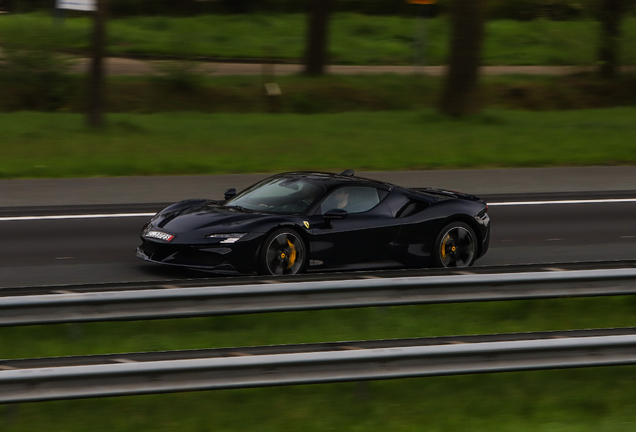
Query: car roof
330, 180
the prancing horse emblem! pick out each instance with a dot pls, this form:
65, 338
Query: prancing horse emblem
306, 224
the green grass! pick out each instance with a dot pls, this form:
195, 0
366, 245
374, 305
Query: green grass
317, 326
59, 145
571, 400
354, 39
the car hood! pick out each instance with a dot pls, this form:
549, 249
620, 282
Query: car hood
223, 219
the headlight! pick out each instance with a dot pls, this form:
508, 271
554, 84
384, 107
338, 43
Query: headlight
227, 238
158, 235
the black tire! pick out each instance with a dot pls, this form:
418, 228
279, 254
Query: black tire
282, 253
455, 246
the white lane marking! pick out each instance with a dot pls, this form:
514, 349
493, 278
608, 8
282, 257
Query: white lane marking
590, 201
122, 215
85, 216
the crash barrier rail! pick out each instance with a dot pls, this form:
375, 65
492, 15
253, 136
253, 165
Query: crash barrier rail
296, 296
117, 375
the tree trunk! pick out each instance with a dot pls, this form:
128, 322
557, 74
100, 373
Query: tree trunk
460, 95
95, 114
317, 37
611, 11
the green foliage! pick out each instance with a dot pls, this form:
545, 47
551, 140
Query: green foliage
34, 80
501, 9
183, 86
525, 10
179, 75
32, 72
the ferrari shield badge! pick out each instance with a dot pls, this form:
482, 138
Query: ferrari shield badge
306, 224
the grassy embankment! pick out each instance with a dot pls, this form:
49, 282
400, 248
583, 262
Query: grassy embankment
59, 145
354, 39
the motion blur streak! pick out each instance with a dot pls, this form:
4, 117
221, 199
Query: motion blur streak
590, 201
122, 215
86, 216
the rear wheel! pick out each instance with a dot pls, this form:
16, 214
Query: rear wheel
283, 253
456, 246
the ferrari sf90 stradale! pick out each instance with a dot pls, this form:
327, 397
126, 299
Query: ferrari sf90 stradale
311, 221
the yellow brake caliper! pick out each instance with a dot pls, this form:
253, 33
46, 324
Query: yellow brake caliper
292, 255
444, 248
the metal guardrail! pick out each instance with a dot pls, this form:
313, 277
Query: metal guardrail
243, 299
190, 374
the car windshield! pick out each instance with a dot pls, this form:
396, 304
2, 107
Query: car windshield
278, 195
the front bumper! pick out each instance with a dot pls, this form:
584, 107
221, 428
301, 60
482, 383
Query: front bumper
239, 258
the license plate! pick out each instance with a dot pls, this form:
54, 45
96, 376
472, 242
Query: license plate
159, 235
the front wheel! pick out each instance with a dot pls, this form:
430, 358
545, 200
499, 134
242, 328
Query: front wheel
283, 253
455, 246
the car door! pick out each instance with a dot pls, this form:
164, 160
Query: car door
366, 234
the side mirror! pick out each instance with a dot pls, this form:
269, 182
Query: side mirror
333, 214
229, 193
336, 213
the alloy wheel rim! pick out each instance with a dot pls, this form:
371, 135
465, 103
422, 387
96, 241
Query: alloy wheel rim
457, 248
284, 255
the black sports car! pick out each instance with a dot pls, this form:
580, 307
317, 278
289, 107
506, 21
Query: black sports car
311, 221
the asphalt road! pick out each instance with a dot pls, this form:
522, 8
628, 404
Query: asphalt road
51, 252
76, 251
24, 196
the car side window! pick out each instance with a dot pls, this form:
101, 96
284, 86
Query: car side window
353, 199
